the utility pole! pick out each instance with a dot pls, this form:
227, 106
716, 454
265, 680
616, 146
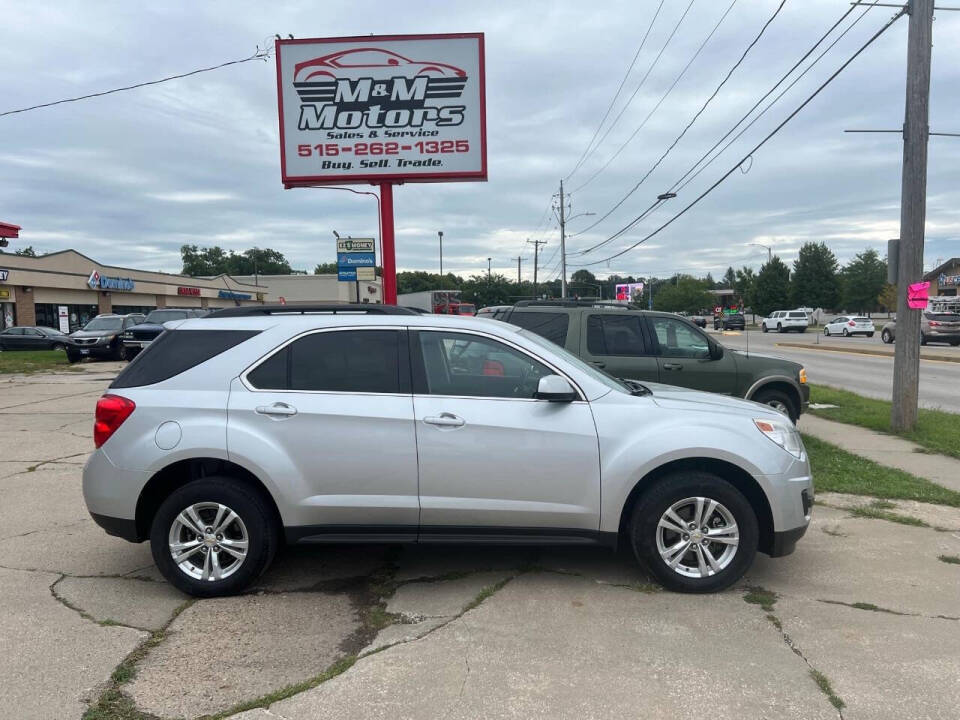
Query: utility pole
913, 211
563, 246
536, 251
519, 280
488, 270
440, 235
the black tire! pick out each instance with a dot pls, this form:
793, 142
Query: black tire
57, 346
672, 489
826, 331
73, 357
869, 334
802, 330
886, 337
128, 354
778, 399
954, 343
779, 328
253, 510
923, 339
845, 333
764, 327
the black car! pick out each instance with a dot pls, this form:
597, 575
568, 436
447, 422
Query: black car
101, 337
33, 338
732, 321
136, 338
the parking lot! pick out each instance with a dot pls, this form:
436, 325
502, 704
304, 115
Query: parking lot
863, 621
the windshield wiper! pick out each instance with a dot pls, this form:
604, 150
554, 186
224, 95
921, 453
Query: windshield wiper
636, 388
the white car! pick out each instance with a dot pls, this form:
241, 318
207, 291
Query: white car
848, 325
255, 426
785, 321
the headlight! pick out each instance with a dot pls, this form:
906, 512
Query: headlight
803, 376
129, 336
784, 434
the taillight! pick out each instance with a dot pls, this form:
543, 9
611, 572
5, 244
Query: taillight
934, 323
852, 323
112, 410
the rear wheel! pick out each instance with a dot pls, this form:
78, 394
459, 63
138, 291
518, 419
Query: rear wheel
764, 326
846, 333
886, 336
779, 328
869, 334
923, 339
779, 401
213, 537
954, 343
695, 532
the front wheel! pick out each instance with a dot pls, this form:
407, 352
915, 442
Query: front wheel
213, 537
764, 327
779, 401
846, 333
886, 337
695, 532
57, 347
826, 331
779, 328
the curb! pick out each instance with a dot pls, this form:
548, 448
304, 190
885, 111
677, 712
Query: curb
866, 351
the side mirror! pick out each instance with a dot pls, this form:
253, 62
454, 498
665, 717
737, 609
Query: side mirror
555, 389
716, 351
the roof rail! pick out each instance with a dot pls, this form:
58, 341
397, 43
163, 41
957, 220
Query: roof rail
572, 303
319, 309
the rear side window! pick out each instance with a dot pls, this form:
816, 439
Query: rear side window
616, 335
552, 326
176, 351
340, 361
798, 315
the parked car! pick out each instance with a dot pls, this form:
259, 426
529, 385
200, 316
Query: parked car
31, 337
699, 321
786, 321
660, 347
493, 312
848, 325
934, 327
139, 336
729, 321
542, 449
101, 337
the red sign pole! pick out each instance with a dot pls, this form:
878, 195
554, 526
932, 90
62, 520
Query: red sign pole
389, 252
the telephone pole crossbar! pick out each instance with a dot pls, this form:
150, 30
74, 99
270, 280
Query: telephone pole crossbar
536, 253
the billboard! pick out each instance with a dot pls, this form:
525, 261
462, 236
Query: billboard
629, 292
393, 108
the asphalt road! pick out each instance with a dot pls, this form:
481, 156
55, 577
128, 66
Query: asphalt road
864, 374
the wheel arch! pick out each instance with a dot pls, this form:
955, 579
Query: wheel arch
733, 474
164, 482
781, 383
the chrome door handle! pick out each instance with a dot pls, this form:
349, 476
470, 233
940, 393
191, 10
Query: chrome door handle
672, 366
598, 363
445, 420
276, 409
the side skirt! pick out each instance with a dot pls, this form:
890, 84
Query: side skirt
446, 535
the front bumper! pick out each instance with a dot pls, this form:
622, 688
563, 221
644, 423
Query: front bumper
784, 543
118, 527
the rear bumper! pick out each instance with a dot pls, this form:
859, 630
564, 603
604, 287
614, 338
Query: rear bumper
118, 527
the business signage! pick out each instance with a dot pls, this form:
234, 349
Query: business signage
396, 108
105, 282
63, 318
4, 274
346, 274
188, 291
628, 292
345, 245
231, 295
356, 259
943, 280
367, 274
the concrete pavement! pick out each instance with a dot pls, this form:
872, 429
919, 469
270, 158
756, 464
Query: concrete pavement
420, 631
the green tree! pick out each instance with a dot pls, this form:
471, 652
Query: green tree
28, 251
744, 286
729, 279
325, 269
682, 293
482, 291
710, 282
772, 287
887, 299
215, 260
863, 281
815, 282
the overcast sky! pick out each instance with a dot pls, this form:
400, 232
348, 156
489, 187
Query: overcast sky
129, 178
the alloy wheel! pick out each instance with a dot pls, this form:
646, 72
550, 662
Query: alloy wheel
208, 541
697, 537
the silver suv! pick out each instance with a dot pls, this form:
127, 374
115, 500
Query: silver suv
255, 426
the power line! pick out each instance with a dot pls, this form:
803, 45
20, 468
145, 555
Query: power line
659, 102
773, 132
260, 54
635, 91
699, 112
616, 95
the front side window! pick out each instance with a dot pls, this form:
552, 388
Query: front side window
340, 361
677, 339
616, 335
475, 366
552, 326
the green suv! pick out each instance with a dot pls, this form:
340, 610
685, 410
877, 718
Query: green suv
663, 347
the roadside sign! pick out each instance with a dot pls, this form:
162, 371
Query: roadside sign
345, 245
366, 273
356, 259
917, 295
354, 254
346, 274
393, 108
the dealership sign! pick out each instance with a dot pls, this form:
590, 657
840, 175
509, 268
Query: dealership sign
628, 292
104, 282
401, 108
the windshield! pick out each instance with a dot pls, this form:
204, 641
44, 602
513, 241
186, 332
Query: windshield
49, 331
608, 380
104, 323
159, 317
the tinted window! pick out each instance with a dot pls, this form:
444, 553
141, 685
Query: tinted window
13, 331
677, 339
615, 335
798, 315
552, 326
158, 317
175, 352
474, 366
341, 361
943, 317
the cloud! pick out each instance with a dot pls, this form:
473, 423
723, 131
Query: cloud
194, 196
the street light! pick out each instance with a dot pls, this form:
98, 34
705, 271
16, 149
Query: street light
440, 235
488, 269
765, 247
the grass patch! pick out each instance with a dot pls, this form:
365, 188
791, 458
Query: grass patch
936, 430
485, 593
869, 511
823, 682
836, 470
949, 559
762, 597
31, 361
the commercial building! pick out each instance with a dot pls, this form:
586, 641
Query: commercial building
302, 289
66, 289
945, 279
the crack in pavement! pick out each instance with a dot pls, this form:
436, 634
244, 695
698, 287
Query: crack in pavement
50, 399
84, 614
39, 530
870, 607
